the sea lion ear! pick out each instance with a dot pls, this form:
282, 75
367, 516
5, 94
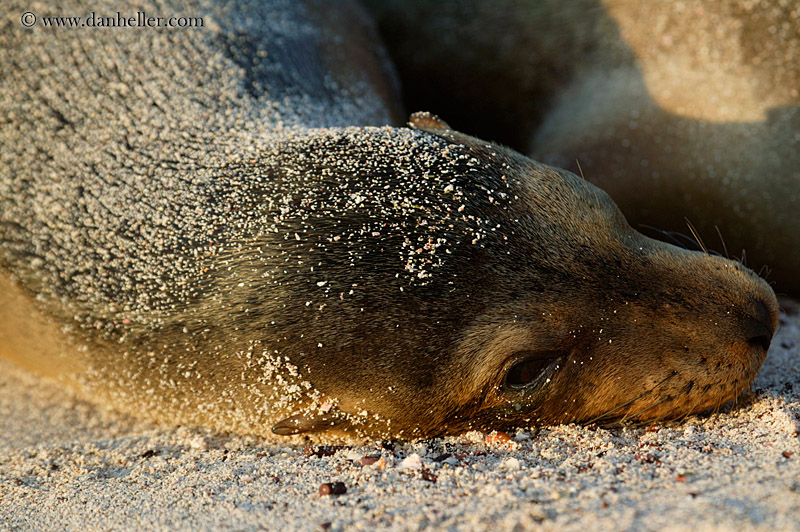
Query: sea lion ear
429, 123
305, 423
432, 124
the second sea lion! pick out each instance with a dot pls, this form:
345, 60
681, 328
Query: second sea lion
679, 110
189, 230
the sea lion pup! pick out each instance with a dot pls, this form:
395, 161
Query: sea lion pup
676, 109
184, 236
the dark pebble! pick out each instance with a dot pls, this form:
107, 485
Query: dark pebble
369, 460
332, 488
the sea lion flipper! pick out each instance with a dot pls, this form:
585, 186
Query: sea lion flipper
303, 423
428, 122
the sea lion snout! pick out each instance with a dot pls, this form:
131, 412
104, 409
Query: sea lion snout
755, 319
651, 332
695, 340
749, 302
759, 324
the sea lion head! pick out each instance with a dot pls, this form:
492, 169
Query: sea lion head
547, 308
601, 323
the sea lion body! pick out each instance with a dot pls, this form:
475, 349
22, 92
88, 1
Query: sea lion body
190, 230
679, 110
104, 211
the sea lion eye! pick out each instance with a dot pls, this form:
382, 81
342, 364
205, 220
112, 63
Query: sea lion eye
528, 366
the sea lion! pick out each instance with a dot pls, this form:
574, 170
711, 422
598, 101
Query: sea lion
189, 232
679, 110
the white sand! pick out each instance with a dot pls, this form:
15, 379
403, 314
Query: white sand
69, 465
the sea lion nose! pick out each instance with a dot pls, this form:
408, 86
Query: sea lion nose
759, 323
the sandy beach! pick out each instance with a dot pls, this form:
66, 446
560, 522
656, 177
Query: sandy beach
66, 464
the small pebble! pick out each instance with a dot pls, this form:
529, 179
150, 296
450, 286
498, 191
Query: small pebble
499, 438
430, 477
369, 460
412, 461
332, 488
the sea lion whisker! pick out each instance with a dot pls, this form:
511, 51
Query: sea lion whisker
626, 403
696, 236
657, 403
763, 269
731, 403
695, 244
580, 170
666, 234
718, 406
687, 238
724, 247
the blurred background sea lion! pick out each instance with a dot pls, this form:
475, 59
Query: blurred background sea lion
679, 110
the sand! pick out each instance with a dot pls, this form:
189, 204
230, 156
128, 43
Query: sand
66, 464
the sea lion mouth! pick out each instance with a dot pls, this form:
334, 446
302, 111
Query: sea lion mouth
674, 397
669, 409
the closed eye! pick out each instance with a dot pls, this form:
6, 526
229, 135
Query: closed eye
528, 366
